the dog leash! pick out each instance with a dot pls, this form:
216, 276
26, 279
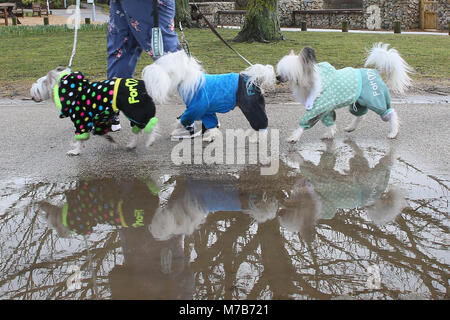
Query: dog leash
157, 40
219, 36
75, 37
184, 43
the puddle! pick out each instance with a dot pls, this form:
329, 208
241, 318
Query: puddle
343, 223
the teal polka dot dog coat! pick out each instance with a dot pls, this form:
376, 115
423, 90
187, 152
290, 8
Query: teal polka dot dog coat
361, 89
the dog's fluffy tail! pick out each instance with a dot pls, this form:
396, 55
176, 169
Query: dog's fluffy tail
261, 76
391, 65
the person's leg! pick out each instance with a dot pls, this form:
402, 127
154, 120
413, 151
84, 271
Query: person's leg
141, 21
123, 49
167, 25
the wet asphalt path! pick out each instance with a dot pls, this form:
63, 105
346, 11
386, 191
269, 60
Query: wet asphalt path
34, 141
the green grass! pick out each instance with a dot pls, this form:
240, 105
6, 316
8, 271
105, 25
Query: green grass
29, 53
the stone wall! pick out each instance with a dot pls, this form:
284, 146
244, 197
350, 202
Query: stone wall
330, 20
443, 14
405, 11
376, 14
285, 8
209, 9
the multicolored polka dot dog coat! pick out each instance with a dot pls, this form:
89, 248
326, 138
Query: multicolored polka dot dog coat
92, 106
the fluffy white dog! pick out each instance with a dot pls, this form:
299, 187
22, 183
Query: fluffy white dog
205, 94
323, 89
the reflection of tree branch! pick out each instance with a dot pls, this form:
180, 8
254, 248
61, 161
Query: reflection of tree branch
398, 258
440, 182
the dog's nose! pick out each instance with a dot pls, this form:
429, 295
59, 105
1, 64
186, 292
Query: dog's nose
279, 79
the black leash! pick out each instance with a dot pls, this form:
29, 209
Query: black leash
219, 36
155, 13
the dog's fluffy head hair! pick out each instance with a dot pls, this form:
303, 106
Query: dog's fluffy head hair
262, 210
54, 218
388, 207
42, 89
300, 72
172, 72
302, 210
180, 217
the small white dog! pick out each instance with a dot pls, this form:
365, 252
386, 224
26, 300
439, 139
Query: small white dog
205, 94
94, 106
323, 89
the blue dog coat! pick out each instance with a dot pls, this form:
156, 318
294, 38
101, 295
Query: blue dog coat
220, 94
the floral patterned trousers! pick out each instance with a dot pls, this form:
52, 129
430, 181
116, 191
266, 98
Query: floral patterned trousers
130, 33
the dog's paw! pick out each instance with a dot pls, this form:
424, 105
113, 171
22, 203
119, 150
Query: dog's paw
133, 143
327, 136
74, 152
210, 135
252, 136
292, 139
350, 128
208, 139
331, 132
295, 135
131, 146
392, 134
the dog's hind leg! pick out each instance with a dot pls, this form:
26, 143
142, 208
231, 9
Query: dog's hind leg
153, 135
152, 129
354, 124
135, 138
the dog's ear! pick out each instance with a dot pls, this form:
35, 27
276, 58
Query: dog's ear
292, 52
51, 78
308, 55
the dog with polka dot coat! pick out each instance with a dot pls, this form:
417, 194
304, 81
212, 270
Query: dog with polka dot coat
92, 106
